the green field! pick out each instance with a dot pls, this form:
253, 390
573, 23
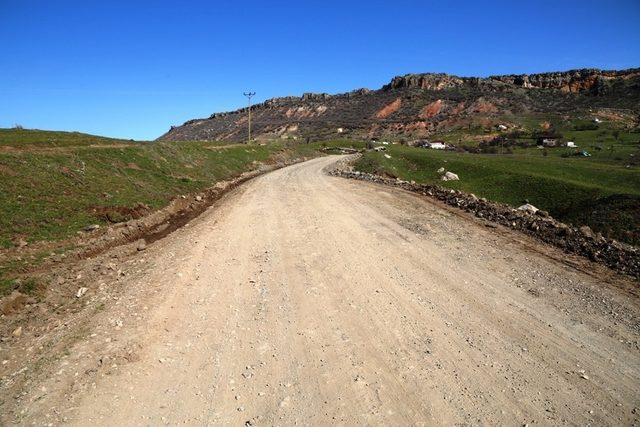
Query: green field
53, 184
598, 191
49, 139
607, 140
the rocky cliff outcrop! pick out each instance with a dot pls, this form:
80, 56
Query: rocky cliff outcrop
588, 79
415, 105
566, 81
425, 81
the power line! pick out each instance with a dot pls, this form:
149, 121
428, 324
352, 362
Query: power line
249, 95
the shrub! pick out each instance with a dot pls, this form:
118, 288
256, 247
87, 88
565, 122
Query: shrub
586, 126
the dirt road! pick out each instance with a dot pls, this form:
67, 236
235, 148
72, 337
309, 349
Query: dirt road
308, 299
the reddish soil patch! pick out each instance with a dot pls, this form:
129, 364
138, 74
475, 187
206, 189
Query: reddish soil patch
481, 106
389, 109
431, 110
458, 108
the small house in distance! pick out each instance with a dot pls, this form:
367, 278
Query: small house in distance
435, 145
547, 141
571, 144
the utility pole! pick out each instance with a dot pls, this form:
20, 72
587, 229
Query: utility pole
249, 95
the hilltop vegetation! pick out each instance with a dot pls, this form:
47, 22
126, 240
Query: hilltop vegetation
20, 138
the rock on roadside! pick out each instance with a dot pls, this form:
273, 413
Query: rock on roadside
450, 176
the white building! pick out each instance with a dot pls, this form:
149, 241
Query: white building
437, 145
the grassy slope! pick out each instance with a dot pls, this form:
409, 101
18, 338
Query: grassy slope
586, 139
578, 190
48, 195
50, 181
47, 139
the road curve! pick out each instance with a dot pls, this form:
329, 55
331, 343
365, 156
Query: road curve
308, 299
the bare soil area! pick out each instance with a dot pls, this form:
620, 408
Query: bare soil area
301, 298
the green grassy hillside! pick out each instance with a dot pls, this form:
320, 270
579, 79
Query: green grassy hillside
53, 184
50, 139
595, 191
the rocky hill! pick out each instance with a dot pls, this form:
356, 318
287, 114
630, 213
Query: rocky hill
418, 105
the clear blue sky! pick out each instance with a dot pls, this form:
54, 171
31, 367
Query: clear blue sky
133, 68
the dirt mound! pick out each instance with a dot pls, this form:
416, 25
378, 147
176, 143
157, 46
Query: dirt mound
15, 302
116, 214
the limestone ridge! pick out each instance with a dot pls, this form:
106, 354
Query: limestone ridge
416, 105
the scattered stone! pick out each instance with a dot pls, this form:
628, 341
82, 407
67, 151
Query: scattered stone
527, 207
441, 171
90, 228
450, 176
17, 332
285, 402
198, 198
81, 292
583, 375
587, 231
387, 156
19, 242
142, 245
